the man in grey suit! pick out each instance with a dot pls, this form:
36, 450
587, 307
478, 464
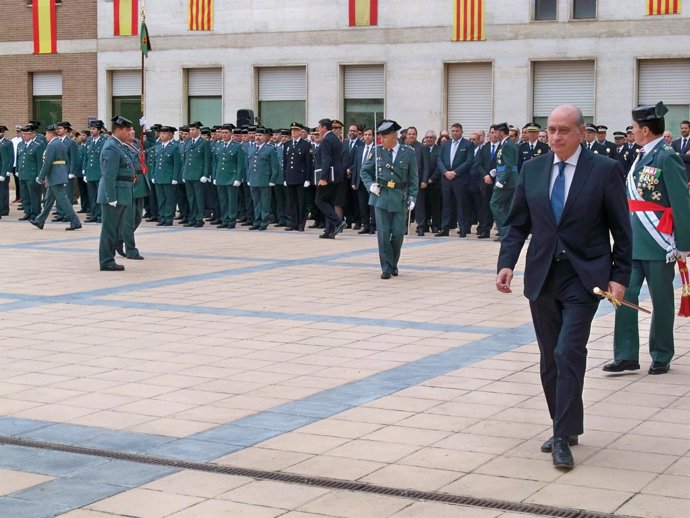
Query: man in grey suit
55, 174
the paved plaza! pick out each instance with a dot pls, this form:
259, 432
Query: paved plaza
279, 353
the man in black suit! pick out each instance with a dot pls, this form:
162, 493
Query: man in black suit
569, 200
485, 161
454, 164
682, 146
298, 161
328, 169
428, 207
367, 217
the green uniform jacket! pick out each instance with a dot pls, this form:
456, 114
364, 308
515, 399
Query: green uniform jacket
29, 159
507, 164
403, 173
74, 164
197, 159
280, 149
230, 164
115, 162
6, 156
167, 163
55, 164
140, 189
660, 178
91, 165
262, 166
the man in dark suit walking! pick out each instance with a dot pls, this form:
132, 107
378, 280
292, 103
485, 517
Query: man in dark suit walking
328, 165
682, 146
569, 200
454, 164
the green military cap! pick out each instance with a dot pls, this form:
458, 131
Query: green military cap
98, 124
52, 128
388, 126
28, 128
36, 124
205, 130
167, 129
216, 127
184, 128
261, 130
244, 131
196, 124
238, 131
63, 124
591, 127
649, 112
156, 127
228, 127
3, 128
285, 131
121, 121
251, 128
502, 126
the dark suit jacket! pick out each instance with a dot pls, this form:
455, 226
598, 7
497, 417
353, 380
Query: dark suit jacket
357, 163
676, 145
329, 155
462, 162
596, 204
349, 155
478, 170
430, 170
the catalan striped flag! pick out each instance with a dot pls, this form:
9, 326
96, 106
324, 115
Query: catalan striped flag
45, 29
200, 15
663, 7
126, 15
468, 20
364, 12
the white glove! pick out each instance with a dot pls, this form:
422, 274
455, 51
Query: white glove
70, 176
174, 182
184, 181
492, 173
307, 184
112, 203
203, 179
142, 122
236, 183
153, 180
215, 182
8, 174
375, 188
499, 185
85, 180
285, 184
2, 178
411, 205
271, 184
16, 174
39, 181
683, 256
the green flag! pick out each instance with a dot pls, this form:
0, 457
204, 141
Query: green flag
144, 39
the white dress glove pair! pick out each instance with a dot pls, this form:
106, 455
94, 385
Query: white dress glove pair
375, 188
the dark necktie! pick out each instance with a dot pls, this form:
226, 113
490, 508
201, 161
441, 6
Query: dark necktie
558, 193
493, 150
684, 147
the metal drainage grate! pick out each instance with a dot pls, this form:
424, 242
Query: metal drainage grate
327, 483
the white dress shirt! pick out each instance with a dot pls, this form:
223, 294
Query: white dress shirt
571, 164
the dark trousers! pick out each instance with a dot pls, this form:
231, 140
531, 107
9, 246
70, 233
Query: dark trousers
476, 209
211, 202
57, 194
83, 195
31, 191
166, 194
152, 201
390, 233
455, 195
261, 196
195, 198
227, 197
246, 203
283, 214
17, 187
110, 233
562, 315
130, 222
486, 218
311, 205
420, 210
367, 215
325, 196
351, 208
183, 204
95, 207
5, 196
501, 199
297, 196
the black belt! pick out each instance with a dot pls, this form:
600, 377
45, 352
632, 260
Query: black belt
125, 178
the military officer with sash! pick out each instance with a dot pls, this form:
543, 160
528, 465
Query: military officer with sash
91, 168
6, 165
126, 246
195, 172
29, 163
55, 173
166, 174
114, 191
504, 177
392, 179
298, 159
262, 174
228, 175
659, 203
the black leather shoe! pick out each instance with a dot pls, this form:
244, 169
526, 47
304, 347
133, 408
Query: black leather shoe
483, 236
222, 225
327, 235
621, 365
357, 227
136, 257
462, 234
372, 231
24, 218
314, 225
70, 228
263, 228
659, 368
231, 225
36, 224
289, 229
443, 233
395, 272
120, 249
188, 225
386, 275
561, 454
168, 224
420, 233
160, 224
254, 227
340, 228
112, 268
199, 224
246, 224
365, 230
547, 447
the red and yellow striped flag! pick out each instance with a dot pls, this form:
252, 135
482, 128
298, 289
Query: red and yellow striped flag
663, 7
364, 12
468, 20
45, 30
200, 15
126, 15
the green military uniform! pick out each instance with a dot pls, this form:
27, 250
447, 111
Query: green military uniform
262, 174
166, 175
658, 176
395, 172
196, 169
115, 187
6, 165
29, 163
504, 181
133, 213
228, 175
91, 171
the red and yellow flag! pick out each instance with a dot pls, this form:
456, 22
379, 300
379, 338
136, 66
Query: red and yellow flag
364, 12
468, 20
200, 15
663, 7
45, 30
126, 15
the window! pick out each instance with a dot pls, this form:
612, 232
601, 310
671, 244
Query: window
205, 90
363, 94
584, 9
674, 89
282, 96
126, 95
465, 80
47, 97
563, 82
545, 10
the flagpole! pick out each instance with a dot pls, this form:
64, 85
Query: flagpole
143, 77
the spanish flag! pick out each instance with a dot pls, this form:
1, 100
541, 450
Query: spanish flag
200, 15
663, 7
45, 30
468, 20
364, 12
126, 14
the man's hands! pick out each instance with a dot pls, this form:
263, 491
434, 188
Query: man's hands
488, 180
322, 183
204, 179
236, 183
423, 185
503, 280
375, 189
307, 184
112, 203
411, 205
450, 174
617, 290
